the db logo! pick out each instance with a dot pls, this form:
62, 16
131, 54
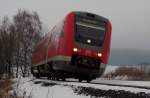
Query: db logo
87, 52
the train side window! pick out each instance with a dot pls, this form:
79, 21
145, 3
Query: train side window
36, 48
62, 29
39, 46
50, 39
52, 34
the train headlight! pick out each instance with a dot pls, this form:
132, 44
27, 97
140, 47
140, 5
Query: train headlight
75, 49
89, 41
99, 54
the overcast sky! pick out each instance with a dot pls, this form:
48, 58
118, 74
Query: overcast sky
130, 18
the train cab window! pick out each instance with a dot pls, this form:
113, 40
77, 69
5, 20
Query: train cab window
90, 29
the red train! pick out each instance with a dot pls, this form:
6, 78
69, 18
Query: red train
78, 47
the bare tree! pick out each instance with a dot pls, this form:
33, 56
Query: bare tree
7, 47
28, 28
17, 41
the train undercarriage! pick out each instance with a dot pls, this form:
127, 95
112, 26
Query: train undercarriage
81, 68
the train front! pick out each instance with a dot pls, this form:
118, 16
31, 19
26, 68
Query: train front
91, 44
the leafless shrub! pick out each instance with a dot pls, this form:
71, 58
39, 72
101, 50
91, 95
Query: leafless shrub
132, 73
5, 87
129, 71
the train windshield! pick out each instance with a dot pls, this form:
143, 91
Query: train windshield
90, 31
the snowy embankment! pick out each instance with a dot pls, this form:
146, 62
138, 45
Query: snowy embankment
43, 88
30, 88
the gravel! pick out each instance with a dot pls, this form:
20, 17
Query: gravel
96, 93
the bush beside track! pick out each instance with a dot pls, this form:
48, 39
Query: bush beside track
5, 86
128, 73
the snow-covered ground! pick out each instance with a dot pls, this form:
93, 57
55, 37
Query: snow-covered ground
35, 88
123, 82
27, 87
110, 68
60, 89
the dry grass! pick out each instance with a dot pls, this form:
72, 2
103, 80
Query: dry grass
5, 86
132, 73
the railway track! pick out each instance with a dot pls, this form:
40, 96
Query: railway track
97, 83
123, 85
102, 90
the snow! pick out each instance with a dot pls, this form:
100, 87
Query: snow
107, 87
123, 82
110, 68
63, 89
54, 92
28, 88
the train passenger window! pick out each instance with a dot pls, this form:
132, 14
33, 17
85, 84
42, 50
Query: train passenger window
52, 34
62, 29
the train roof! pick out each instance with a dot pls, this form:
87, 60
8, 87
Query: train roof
90, 15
